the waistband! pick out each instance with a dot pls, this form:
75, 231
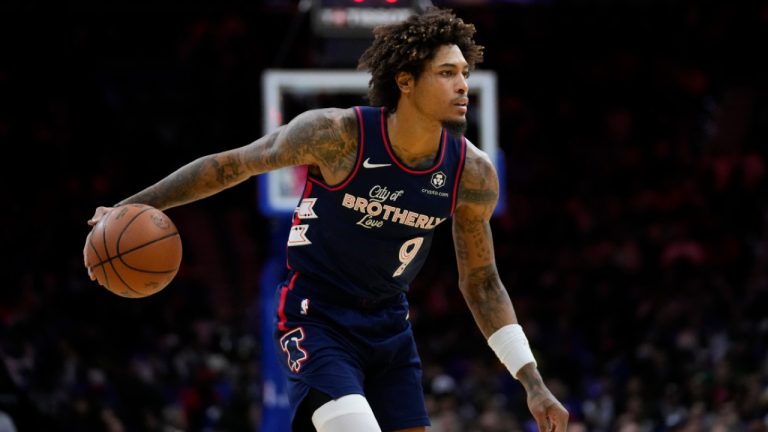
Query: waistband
306, 286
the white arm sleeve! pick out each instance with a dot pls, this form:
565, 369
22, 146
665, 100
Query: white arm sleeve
350, 413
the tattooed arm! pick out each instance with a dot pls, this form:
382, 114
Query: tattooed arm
479, 279
326, 140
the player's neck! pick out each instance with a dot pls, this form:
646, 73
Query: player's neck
413, 139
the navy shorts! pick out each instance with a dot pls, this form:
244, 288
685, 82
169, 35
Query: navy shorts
350, 348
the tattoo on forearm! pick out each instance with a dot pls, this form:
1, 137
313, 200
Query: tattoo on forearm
183, 185
487, 297
227, 172
531, 381
198, 179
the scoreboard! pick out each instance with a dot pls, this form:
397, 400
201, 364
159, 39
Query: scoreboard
356, 18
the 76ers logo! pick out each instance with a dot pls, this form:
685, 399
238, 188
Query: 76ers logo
291, 346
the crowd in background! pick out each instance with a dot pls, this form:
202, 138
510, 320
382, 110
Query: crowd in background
634, 243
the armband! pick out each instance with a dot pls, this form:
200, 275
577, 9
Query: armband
511, 347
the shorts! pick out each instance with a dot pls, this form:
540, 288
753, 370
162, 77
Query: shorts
350, 348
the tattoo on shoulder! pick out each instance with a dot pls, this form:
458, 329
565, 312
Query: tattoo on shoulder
328, 136
478, 195
479, 184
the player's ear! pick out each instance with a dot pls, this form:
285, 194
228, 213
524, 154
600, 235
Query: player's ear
404, 81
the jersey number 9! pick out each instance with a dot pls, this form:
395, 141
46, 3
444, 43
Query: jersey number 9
408, 252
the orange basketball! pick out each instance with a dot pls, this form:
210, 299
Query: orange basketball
134, 251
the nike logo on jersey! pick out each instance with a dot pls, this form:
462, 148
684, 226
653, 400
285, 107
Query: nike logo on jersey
367, 164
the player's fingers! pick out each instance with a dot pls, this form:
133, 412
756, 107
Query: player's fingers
542, 421
545, 425
85, 249
86, 261
98, 214
88, 266
551, 418
558, 418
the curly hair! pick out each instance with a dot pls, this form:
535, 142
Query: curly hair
408, 45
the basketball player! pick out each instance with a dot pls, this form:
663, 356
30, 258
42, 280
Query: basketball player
381, 178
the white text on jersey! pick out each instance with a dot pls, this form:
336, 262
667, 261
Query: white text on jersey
376, 212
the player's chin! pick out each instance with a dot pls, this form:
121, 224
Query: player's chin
456, 125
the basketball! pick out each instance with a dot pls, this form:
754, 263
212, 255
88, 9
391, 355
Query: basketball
134, 251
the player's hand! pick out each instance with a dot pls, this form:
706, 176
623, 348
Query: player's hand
85, 256
98, 214
549, 413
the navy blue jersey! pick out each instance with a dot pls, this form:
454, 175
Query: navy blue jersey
370, 235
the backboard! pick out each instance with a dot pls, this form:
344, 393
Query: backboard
287, 93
